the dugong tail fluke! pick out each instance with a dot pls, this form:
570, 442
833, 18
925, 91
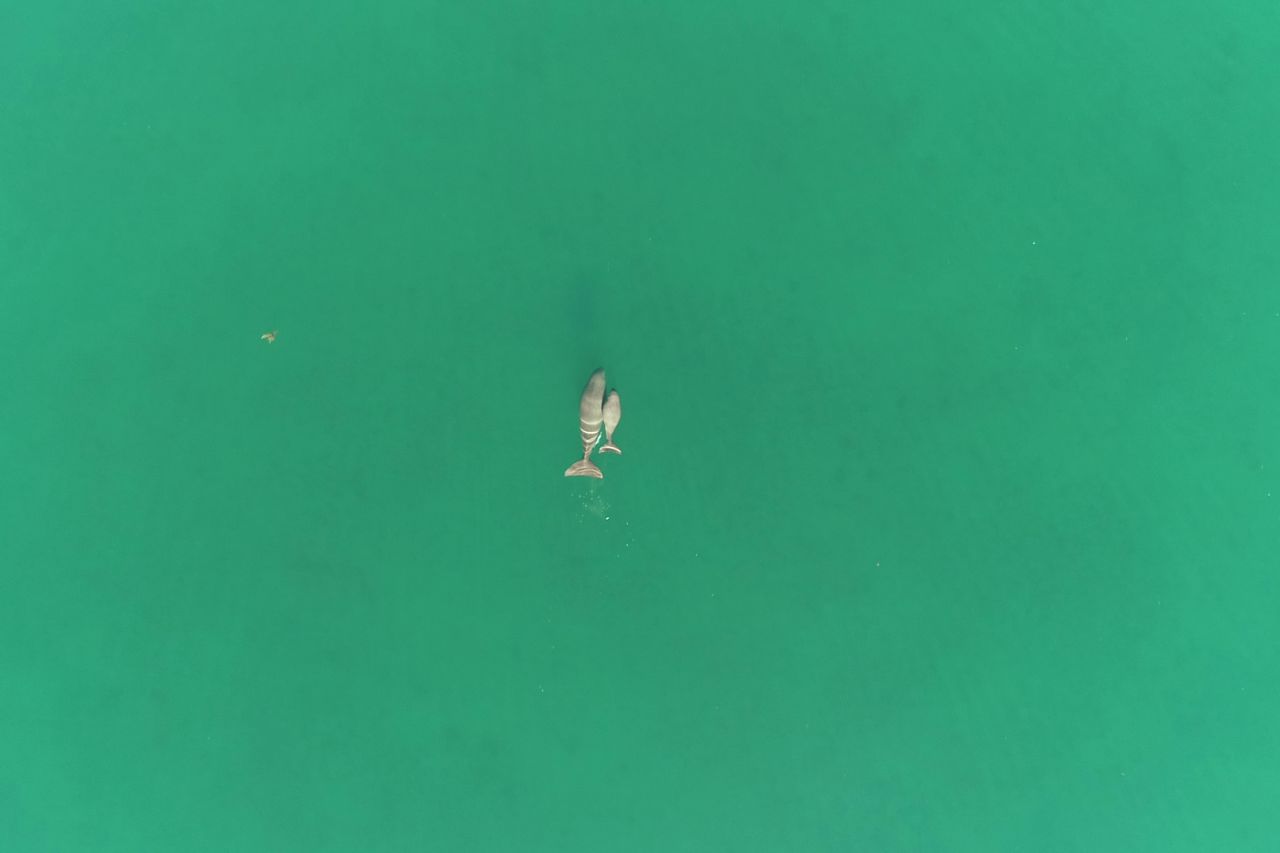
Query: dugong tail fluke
584, 468
612, 415
590, 416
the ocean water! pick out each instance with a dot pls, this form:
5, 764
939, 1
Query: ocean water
947, 338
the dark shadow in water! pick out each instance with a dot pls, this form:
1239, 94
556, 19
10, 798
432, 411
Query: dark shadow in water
584, 335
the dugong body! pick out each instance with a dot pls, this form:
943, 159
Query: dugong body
612, 415
590, 416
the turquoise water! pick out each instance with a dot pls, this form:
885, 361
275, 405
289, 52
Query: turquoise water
948, 508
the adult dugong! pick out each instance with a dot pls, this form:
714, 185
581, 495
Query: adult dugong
590, 416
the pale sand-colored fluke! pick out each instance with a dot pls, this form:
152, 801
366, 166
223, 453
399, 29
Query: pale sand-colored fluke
612, 415
590, 415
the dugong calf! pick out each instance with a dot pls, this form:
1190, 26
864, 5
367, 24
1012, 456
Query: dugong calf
612, 415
